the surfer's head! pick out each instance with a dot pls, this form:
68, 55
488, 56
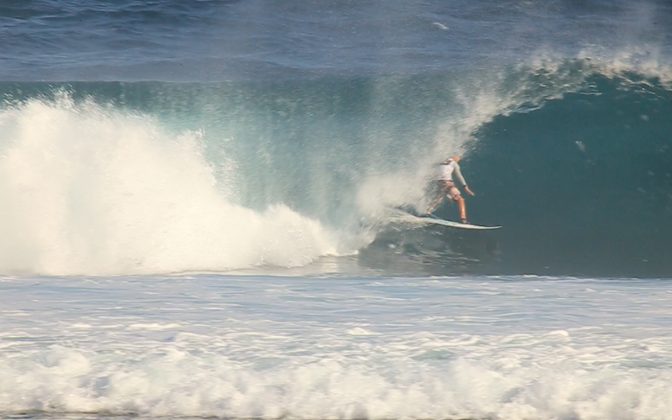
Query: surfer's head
456, 158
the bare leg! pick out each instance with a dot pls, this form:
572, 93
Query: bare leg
461, 205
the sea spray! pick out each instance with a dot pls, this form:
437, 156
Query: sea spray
339, 151
90, 189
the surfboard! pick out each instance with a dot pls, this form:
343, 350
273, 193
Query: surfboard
408, 217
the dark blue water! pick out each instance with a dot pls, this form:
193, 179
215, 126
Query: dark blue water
232, 40
338, 109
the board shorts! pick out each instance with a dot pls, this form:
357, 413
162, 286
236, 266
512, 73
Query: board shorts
448, 187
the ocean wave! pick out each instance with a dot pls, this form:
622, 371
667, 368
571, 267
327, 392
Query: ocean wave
571, 156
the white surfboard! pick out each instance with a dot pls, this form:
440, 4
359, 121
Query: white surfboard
409, 218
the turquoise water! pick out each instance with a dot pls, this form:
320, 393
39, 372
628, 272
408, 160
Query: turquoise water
574, 162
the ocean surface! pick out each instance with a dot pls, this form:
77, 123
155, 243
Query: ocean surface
196, 221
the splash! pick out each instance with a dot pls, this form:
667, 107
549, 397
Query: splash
87, 189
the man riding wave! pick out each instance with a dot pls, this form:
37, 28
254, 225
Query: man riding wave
448, 170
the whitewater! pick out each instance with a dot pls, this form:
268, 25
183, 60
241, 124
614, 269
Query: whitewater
335, 347
195, 210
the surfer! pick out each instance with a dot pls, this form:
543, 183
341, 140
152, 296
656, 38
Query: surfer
447, 188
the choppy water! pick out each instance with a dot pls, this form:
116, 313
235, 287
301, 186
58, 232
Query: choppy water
337, 347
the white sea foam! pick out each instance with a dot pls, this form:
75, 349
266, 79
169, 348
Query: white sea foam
338, 348
88, 190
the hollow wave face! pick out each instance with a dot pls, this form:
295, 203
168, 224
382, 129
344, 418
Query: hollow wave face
583, 183
90, 189
571, 156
